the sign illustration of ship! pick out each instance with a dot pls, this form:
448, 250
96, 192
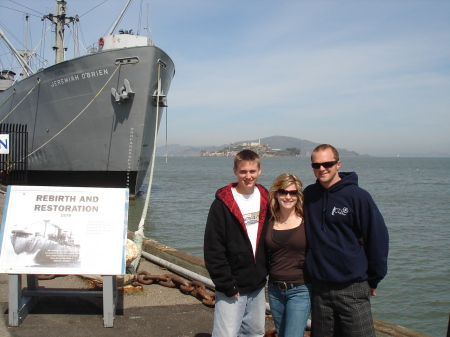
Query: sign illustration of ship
47, 241
91, 120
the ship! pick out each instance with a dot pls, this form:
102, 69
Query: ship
92, 120
47, 242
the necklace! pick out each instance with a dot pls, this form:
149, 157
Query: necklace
293, 221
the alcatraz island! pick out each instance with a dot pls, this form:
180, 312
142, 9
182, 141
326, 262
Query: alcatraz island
263, 150
273, 146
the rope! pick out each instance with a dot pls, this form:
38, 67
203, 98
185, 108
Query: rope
167, 150
37, 83
139, 234
6, 100
73, 120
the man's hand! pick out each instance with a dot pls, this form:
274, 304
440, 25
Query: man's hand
235, 296
373, 292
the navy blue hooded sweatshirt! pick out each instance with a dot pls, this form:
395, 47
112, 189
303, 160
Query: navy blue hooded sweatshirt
346, 234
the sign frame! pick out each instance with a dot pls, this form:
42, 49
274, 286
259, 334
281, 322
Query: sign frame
56, 228
64, 230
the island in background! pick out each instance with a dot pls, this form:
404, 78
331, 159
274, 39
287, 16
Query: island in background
274, 146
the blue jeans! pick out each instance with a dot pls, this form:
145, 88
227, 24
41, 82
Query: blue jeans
290, 309
241, 316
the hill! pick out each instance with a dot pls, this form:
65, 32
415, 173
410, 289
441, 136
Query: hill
305, 146
275, 142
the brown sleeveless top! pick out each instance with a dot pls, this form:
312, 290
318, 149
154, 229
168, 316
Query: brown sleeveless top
286, 259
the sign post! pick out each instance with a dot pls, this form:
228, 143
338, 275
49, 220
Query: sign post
66, 231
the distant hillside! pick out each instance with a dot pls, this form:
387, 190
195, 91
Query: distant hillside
306, 147
275, 142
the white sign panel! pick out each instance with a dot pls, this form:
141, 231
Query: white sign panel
64, 230
4, 144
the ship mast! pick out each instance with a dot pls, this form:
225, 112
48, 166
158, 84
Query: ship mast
60, 20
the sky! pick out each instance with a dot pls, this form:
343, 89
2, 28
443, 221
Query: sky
367, 76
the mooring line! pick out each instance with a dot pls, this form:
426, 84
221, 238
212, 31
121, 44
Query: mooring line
73, 120
76, 117
37, 83
139, 234
6, 100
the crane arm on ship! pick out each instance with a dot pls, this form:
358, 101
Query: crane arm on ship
26, 68
119, 17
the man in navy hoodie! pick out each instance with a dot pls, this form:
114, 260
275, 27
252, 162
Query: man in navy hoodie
234, 251
348, 248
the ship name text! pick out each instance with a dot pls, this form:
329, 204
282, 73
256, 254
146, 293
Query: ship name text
77, 77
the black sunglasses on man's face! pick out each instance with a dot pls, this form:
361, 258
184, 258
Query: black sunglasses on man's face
327, 164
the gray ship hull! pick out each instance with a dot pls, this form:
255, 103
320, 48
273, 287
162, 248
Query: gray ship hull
93, 139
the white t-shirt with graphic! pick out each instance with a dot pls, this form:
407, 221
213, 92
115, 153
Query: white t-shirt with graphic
249, 205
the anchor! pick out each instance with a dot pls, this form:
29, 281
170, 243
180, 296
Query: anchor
159, 99
124, 94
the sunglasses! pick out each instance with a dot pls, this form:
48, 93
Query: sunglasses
327, 164
292, 193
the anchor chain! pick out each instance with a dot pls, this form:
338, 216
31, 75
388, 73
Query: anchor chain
193, 288
196, 289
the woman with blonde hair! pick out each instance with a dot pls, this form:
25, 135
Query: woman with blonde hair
289, 287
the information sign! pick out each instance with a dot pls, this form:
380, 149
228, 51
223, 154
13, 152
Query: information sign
64, 230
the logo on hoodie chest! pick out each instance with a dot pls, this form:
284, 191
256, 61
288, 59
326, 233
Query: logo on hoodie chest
341, 211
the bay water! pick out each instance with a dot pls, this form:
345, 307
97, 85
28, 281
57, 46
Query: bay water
411, 193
